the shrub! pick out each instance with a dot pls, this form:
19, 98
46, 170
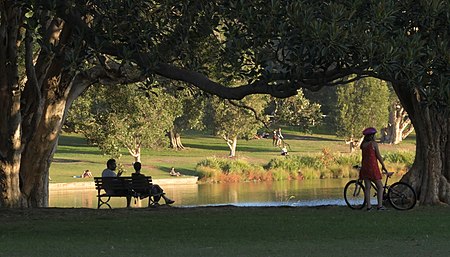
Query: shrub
258, 175
212, 162
324, 165
238, 166
294, 163
310, 173
207, 173
403, 157
347, 159
280, 174
228, 170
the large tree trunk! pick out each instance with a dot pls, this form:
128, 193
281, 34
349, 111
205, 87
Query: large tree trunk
32, 110
232, 143
10, 105
430, 173
135, 151
175, 140
399, 125
38, 154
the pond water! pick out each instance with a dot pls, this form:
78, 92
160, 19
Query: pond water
314, 192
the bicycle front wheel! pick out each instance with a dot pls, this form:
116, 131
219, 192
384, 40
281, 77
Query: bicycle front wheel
402, 196
354, 194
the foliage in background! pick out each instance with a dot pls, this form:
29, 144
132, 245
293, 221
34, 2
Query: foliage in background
319, 166
233, 121
402, 157
297, 44
297, 111
229, 170
123, 117
363, 103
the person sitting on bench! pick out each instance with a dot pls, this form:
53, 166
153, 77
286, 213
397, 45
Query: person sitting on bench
111, 166
156, 191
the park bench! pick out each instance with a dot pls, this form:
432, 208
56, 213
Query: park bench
108, 187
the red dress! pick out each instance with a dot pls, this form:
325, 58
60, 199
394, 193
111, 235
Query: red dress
369, 169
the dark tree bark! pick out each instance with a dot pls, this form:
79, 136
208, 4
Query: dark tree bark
430, 173
32, 111
10, 116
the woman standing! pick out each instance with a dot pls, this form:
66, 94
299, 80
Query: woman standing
369, 168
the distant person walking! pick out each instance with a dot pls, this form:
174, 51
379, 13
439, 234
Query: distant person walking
274, 138
279, 137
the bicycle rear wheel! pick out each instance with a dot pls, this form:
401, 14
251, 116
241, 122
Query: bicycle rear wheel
354, 194
402, 196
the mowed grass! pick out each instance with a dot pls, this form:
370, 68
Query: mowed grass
74, 155
217, 231
225, 231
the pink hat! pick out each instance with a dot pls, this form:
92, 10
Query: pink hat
369, 131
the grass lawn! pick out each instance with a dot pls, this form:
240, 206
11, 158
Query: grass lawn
225, 231
74, 155
217, 231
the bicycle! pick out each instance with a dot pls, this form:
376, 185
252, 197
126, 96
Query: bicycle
400, 194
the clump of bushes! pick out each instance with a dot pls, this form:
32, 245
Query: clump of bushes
402, 157
229, 170
324, 165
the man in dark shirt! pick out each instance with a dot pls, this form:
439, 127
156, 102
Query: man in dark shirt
155, 190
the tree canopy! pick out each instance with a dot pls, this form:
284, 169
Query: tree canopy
233, 121
363, 103
51, 51
123, 117
298, 111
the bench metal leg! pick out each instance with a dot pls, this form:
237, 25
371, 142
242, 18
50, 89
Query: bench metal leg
128, 201
100, 202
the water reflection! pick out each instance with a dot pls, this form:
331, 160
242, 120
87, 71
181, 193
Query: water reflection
279, 193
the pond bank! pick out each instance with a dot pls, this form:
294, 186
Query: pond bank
185, 180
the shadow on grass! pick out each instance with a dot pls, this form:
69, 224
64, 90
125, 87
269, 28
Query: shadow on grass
311, 138
70, 140
239, 148
59, 160
77, 151
65, 160
207, 147
186, 172
268, 149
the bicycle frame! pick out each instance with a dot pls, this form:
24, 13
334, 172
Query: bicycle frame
385, 187
399, 194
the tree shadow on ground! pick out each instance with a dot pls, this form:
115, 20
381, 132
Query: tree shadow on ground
243, 148
312, 138
207, 147
78, 151
60, 160
65, 160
